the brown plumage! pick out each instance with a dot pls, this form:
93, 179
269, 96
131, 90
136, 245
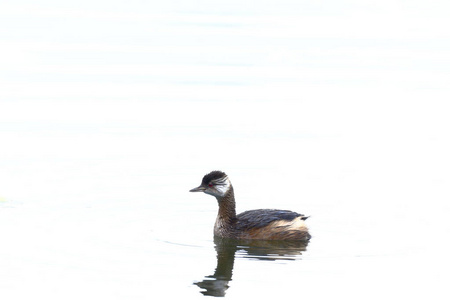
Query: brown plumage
260, 224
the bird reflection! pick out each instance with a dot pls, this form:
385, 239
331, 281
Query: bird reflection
217, 284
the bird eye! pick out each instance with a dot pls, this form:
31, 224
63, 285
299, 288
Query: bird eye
210, 184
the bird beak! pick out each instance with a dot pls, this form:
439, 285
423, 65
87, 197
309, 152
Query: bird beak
198, 189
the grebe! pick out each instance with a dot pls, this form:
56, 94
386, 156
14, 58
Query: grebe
258, 224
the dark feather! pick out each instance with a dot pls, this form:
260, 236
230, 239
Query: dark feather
259, 218
212, 176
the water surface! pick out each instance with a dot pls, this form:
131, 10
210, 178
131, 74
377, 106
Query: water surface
110, 113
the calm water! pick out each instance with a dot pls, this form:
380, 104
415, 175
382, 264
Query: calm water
110, 113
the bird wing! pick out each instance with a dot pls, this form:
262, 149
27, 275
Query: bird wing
262, 217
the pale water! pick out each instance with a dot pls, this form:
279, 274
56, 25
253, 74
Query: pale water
111, 111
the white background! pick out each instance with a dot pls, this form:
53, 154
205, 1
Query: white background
111, 110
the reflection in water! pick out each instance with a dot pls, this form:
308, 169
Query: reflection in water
217, 284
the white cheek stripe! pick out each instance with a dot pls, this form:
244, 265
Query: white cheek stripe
224, 187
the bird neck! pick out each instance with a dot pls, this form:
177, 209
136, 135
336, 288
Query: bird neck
227, 207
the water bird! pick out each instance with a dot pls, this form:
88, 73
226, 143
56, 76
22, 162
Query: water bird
258, 224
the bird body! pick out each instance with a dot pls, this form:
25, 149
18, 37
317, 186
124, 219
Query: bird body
260, 224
